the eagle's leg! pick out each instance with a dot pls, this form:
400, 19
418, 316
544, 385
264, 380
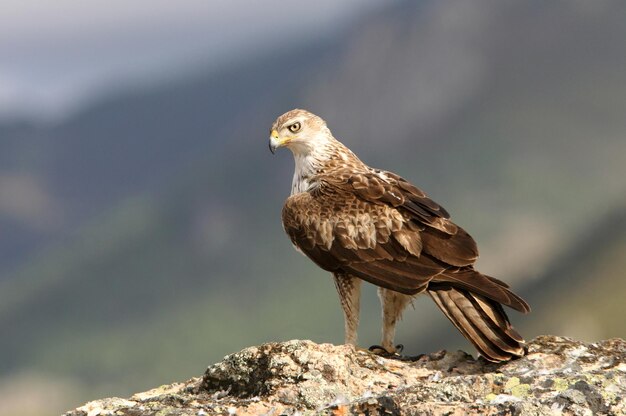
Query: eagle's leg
393, 304
349, 288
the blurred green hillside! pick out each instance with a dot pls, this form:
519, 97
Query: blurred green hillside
581, 294
156, 223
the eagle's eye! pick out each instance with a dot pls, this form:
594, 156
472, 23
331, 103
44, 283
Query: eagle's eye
295, 127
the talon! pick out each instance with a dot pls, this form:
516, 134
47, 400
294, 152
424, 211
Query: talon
382, 351
396, 355
378, 349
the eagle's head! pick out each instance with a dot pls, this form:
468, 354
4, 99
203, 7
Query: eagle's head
300, 131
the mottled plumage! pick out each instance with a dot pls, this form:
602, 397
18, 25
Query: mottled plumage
361, 223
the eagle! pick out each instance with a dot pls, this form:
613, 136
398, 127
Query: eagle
361, 223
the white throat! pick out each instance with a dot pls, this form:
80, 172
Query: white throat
306, 168
309, 161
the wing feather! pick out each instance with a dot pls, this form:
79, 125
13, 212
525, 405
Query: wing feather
446, 241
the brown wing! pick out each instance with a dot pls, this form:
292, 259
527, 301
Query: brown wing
449, 245
387, 232
441, 238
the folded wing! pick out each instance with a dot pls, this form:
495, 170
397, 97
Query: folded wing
379, 227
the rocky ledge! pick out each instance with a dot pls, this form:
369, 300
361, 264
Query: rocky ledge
557, 376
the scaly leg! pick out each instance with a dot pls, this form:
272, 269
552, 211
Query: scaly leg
349, 288
393, 303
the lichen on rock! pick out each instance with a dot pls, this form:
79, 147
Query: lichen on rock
557, 376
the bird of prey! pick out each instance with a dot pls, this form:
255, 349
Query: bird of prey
361, 223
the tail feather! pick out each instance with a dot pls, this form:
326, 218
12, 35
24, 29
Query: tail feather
490, 287
481, 320
496, 314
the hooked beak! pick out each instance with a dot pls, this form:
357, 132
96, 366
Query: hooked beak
275, 141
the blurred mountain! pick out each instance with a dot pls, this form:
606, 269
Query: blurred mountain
135, 140
156, 211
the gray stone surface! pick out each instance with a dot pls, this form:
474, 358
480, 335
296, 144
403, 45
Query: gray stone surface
558, 376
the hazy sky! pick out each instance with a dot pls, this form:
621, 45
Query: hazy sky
56, 54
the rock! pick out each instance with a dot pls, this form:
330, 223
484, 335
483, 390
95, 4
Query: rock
557, 376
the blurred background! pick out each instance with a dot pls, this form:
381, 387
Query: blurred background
140, 234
